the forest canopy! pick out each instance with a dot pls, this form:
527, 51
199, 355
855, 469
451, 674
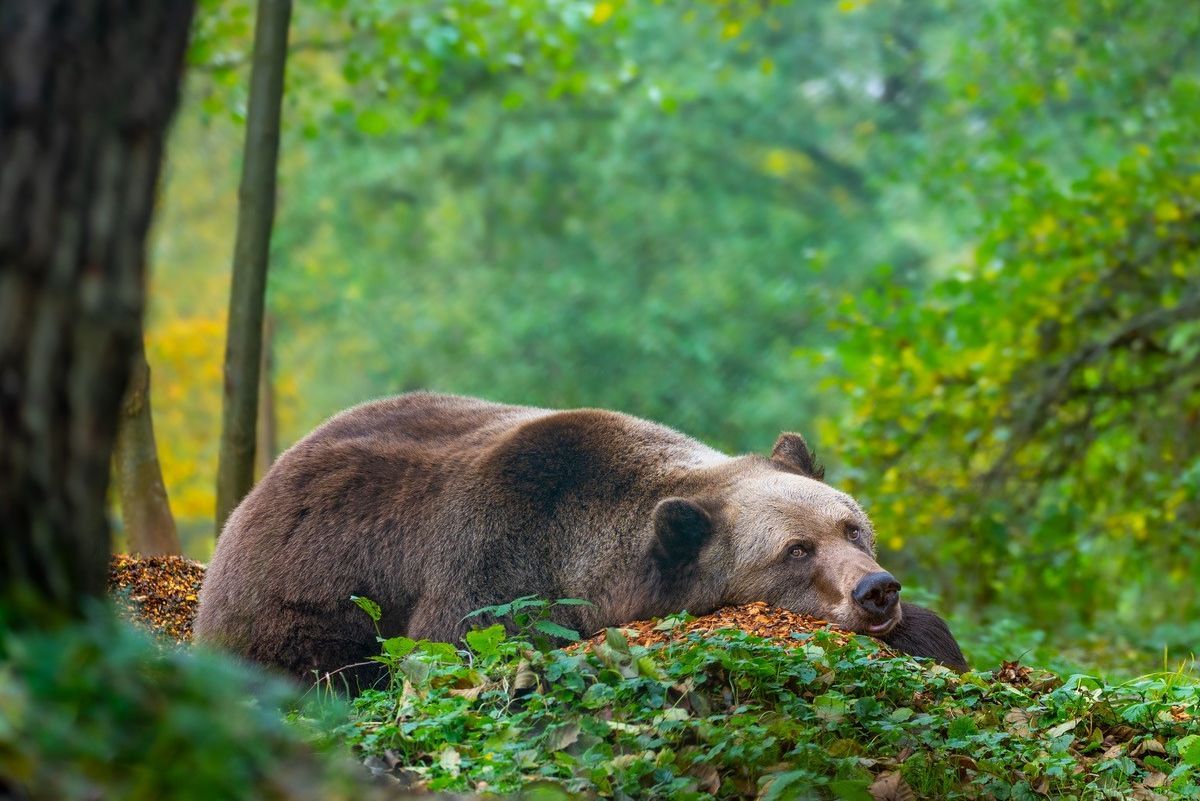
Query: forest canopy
953, 243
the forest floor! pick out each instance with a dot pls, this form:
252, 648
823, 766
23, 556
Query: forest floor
160, 593
747, 703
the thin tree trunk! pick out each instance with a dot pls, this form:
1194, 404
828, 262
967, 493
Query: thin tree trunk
87, 89
268, 427
256, 213
145, 511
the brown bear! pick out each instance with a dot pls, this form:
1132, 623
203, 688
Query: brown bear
437, 505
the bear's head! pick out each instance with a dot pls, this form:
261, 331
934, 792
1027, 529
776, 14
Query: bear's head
772, 530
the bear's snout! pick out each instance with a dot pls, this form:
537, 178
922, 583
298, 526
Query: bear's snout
878, 594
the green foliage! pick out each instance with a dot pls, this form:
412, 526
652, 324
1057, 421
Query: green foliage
953, 240
530, 618
395, 63
99, 711
733, 716
1034, 415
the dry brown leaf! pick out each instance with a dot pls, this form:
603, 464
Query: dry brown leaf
963, 761
470, 693
1144, 794
756, 618
1155, 779
1018, 722
1150, 746
525, 680
707, 776
891, 787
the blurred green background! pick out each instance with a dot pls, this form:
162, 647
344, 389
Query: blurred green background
956, 244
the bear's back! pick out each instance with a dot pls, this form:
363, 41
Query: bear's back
432, 505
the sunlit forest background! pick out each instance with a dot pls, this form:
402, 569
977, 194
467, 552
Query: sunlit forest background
956, 244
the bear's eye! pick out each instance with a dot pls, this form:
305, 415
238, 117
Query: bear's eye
853, 532
797, 552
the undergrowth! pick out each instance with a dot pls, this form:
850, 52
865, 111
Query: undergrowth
99, 710
736, 716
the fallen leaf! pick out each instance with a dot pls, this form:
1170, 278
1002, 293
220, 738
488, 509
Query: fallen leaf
707, 776
470, 693
1150, 746
526, 680
1063, 728
1018, 722
891, 787
1155, 779
563, 736
450, 761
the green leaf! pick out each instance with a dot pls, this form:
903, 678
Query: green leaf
830, 708
962, 726
485, 642
648, 669
851, 789
900, 715
544, 790
781, 782
616, 641
1189, 749
367, 605
555, 630
440, 651
399, 646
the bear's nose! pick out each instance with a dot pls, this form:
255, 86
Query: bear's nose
878, 594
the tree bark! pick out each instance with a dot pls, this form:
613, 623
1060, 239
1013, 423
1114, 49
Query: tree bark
268, 426
87, 90
145, 511
256, 213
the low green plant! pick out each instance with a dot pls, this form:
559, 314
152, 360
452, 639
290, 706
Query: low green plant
99, 710
732, 715
530, 617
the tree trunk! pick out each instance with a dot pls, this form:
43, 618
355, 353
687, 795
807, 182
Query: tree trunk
268, 427
87, 89
149, 526
256, 213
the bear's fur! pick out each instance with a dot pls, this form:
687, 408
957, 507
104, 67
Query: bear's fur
435, 505
922, 633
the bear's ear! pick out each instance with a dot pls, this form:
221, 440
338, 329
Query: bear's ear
791, 450
681, 529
